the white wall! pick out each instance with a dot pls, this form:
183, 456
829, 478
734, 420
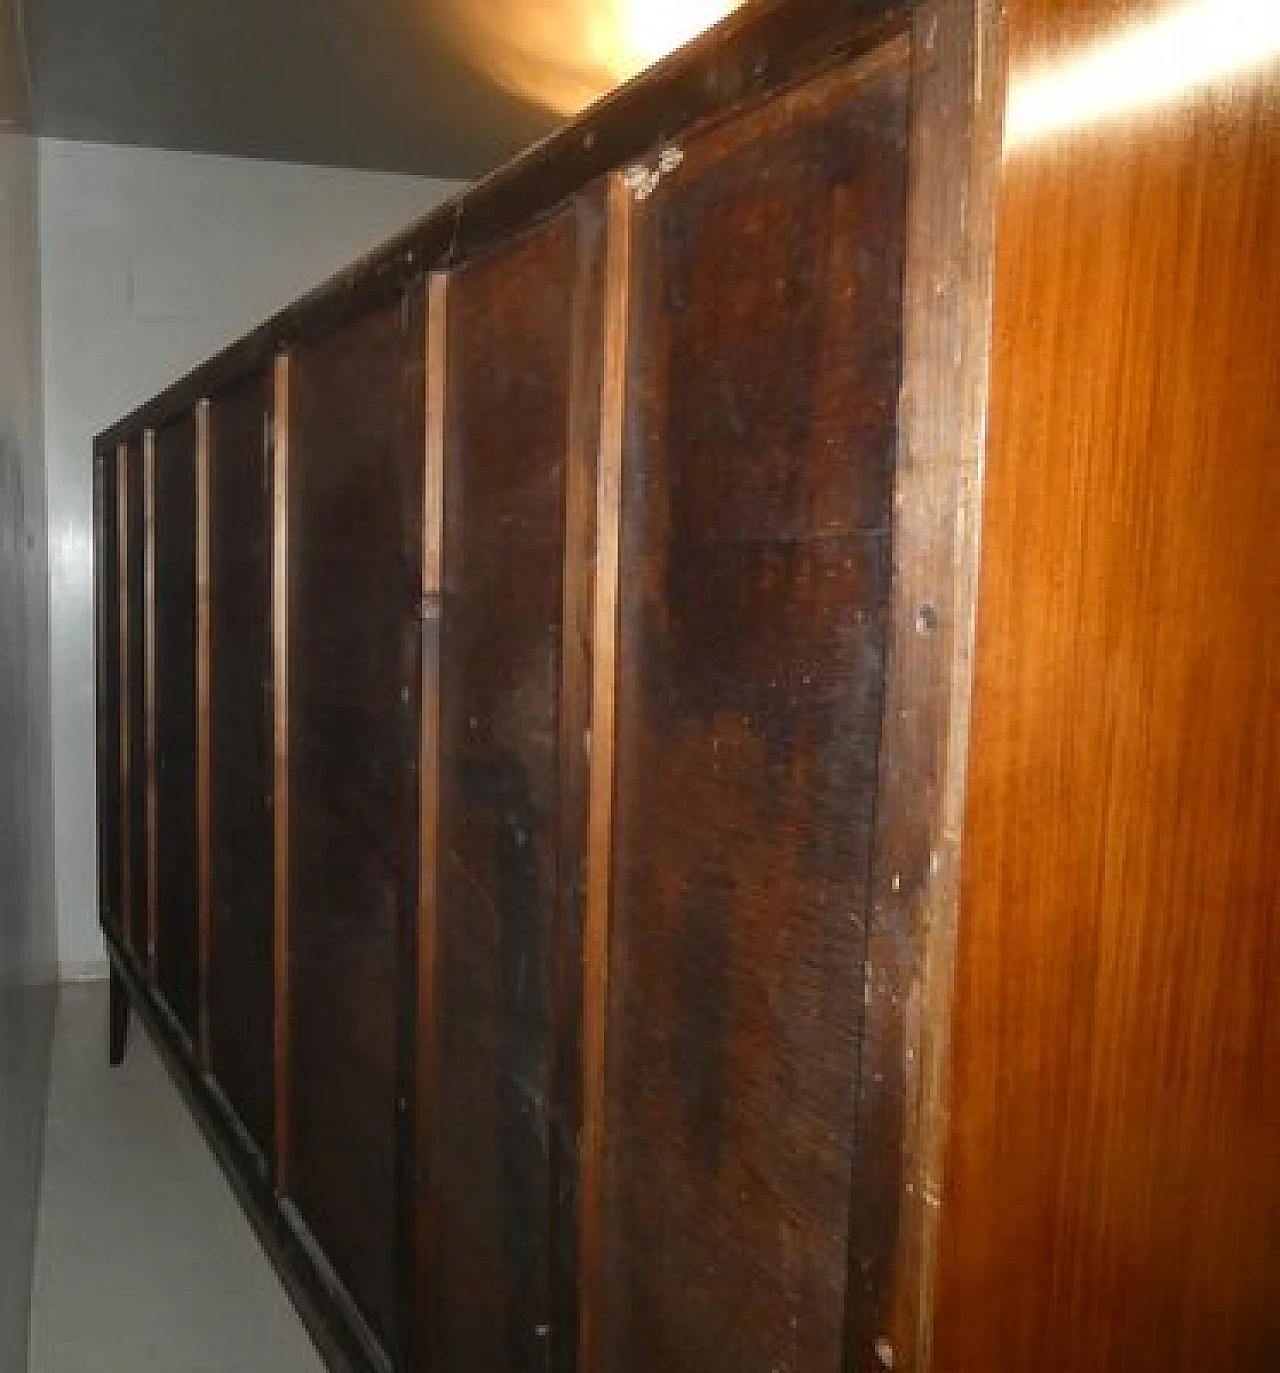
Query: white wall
152, 261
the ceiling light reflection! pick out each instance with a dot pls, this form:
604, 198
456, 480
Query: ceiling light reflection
1154, 63
565, 54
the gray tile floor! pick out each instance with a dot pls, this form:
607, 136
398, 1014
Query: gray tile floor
144, 1260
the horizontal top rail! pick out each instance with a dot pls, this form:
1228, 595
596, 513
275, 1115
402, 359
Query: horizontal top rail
758, 51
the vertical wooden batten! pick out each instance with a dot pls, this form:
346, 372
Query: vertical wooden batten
122, 571
974, 56
575, 706
279, 438
204, 760
149, 687
100, 654
955, 124
427, 1002
617, 300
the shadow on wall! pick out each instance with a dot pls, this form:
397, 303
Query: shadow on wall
27, 932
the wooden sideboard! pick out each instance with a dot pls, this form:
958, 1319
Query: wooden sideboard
687, 755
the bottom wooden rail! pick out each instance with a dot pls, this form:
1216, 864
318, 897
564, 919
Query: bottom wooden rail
339, 1331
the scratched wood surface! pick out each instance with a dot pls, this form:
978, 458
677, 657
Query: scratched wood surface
755, 573
1112, 1195
355, 549
240, 1005
510, 338
177, 941
106, 549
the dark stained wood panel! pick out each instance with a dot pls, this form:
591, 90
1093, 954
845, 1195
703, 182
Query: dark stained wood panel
1112, 1188
174, 617
241, 980
755, 566
356, 445
106, 501
135, 801
501, 889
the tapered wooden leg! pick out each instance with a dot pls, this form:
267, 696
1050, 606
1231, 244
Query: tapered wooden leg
119, 1017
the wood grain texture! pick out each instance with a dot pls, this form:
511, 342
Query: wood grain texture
354, 572
766, 338
174, 682
1112, 1196
241, 868
510, 354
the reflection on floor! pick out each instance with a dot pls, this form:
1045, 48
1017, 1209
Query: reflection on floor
144, 1260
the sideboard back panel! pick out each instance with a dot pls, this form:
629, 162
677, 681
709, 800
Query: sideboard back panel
242, 865
755, 577
177, 852
356, 458
557, 569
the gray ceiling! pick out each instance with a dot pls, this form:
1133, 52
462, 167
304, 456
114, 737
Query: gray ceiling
357, 83
13, 78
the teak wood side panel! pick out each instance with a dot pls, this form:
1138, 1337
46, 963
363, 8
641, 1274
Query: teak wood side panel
137, 769
177, 965
503, 892
241, 983
354, 572
1112, 1189
766, 334
108, 700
